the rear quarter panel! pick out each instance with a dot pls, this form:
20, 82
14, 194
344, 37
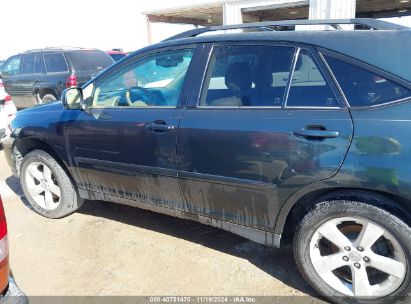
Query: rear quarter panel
53, 81
380, 155
378, 160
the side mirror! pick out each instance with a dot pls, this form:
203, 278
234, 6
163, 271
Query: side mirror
72, 98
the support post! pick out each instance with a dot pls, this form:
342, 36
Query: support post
332, 9
149, 37
232, 14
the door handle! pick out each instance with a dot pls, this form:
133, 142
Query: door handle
159, 126
316, 134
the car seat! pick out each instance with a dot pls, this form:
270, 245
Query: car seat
238, 80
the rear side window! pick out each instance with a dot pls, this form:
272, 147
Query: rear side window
308, 85
364, 88
55, 62
38, 64
89, 60
244, 76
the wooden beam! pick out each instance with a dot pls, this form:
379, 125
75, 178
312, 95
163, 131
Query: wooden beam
276, 6
172, 19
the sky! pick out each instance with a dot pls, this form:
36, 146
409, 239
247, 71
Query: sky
103, 24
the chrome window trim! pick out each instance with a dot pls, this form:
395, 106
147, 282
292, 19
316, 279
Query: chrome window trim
245, 44
388, 103
131, 107
239, 107
288, 85
316, 108
337, 84
322, 74
290, 79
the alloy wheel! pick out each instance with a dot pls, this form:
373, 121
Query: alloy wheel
357, 257
42, 186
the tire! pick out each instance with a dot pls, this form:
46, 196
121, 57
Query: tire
356, 224
47, 99
47, 187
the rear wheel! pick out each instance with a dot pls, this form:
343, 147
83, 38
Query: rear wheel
352, 252
47, 186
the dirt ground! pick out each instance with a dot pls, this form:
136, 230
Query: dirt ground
110, 249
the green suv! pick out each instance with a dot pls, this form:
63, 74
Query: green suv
281, 137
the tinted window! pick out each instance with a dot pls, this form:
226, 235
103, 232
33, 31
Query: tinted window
247, 76
38, 64
55, 62
308, 86
11, 66
364, 88
28, 63
152, 81
89, 60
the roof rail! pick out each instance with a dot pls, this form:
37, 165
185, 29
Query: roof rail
372, 24
56, 48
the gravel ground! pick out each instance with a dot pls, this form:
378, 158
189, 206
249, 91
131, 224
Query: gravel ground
109, 249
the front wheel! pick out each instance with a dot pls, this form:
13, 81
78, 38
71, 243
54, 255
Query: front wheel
352, 252
47, 99
47, 186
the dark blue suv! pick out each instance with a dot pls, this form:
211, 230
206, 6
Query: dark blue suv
278, 136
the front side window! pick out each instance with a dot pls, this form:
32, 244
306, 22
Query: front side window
308, 86
12, 66
244, 76
150, 82
55, 62
364, 88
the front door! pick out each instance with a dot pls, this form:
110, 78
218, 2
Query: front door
124, 144
267, 123
11, 76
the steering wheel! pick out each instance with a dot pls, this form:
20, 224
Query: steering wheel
139, 100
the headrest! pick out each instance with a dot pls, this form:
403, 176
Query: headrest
262, 76
238, 76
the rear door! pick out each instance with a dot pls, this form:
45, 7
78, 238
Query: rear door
57, 71
31, 77
88, 63
266, 123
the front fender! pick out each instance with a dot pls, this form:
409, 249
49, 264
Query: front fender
38, 127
